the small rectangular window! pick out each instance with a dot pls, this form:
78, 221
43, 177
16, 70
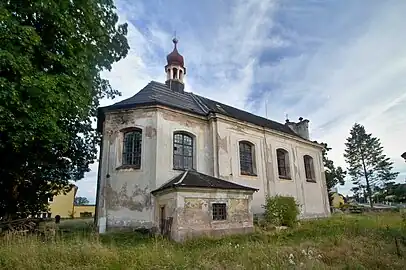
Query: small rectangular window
85, 214
219, 211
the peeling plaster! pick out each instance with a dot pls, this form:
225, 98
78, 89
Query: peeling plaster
131, 205
182, 119
139, 200
150, 132
237, 128
222, 143
194, 215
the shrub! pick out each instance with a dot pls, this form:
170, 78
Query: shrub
345, 207
281, 210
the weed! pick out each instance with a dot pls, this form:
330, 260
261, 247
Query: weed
362, 241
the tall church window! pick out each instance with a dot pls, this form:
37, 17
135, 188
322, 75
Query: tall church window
132, 147
182, 151
309, 168
247, 158
283, 163
175, 73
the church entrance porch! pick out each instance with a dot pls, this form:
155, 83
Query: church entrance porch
201, 205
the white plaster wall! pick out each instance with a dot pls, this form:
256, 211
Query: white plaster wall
126, 194
310, 195
229, 163
216, 152
196, 220
169, 122
169, 201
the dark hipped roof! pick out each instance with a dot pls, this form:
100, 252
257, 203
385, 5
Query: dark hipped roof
192, 178
156, 93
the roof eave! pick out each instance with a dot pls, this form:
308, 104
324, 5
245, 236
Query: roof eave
180, 187
114, 107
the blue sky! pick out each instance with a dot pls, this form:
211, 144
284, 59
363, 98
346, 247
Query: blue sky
333, 62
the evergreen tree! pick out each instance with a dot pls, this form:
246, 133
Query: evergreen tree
367, 165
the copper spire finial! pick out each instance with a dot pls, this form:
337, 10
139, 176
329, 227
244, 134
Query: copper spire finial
175, 40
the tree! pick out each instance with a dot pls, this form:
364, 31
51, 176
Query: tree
367, 165
81, 201
391, 192
334, 175
51, 57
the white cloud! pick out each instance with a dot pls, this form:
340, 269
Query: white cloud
344, 68
361, 79
221, 58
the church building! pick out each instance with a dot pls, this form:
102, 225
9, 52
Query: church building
184, 165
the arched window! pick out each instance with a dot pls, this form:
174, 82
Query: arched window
309, 168
283, 163
182, 151
175, 73
132, 147
247, 158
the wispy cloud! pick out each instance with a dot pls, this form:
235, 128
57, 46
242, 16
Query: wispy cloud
334, 62
352, 71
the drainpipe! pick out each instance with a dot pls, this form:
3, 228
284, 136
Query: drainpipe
103, 219
215, 146
99, 179
268, 189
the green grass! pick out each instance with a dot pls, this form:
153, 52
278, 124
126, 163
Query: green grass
341, 242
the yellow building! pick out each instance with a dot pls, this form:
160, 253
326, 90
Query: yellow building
63, 204
83, 211
337, 200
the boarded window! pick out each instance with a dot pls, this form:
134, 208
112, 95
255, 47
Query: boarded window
132, 148
182, 151
247, 158
309, 168
219, 211
283, 163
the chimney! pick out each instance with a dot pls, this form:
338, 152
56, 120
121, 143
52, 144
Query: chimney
301, 128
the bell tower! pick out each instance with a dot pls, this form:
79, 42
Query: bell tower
175, 69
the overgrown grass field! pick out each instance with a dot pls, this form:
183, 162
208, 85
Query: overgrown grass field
364, 241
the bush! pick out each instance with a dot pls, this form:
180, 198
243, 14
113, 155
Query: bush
345, 206
281, 211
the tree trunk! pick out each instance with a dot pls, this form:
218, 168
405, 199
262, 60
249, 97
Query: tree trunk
371, 203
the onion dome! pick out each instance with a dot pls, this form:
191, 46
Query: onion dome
174, 58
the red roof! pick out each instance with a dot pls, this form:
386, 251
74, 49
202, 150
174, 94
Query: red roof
174, 58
